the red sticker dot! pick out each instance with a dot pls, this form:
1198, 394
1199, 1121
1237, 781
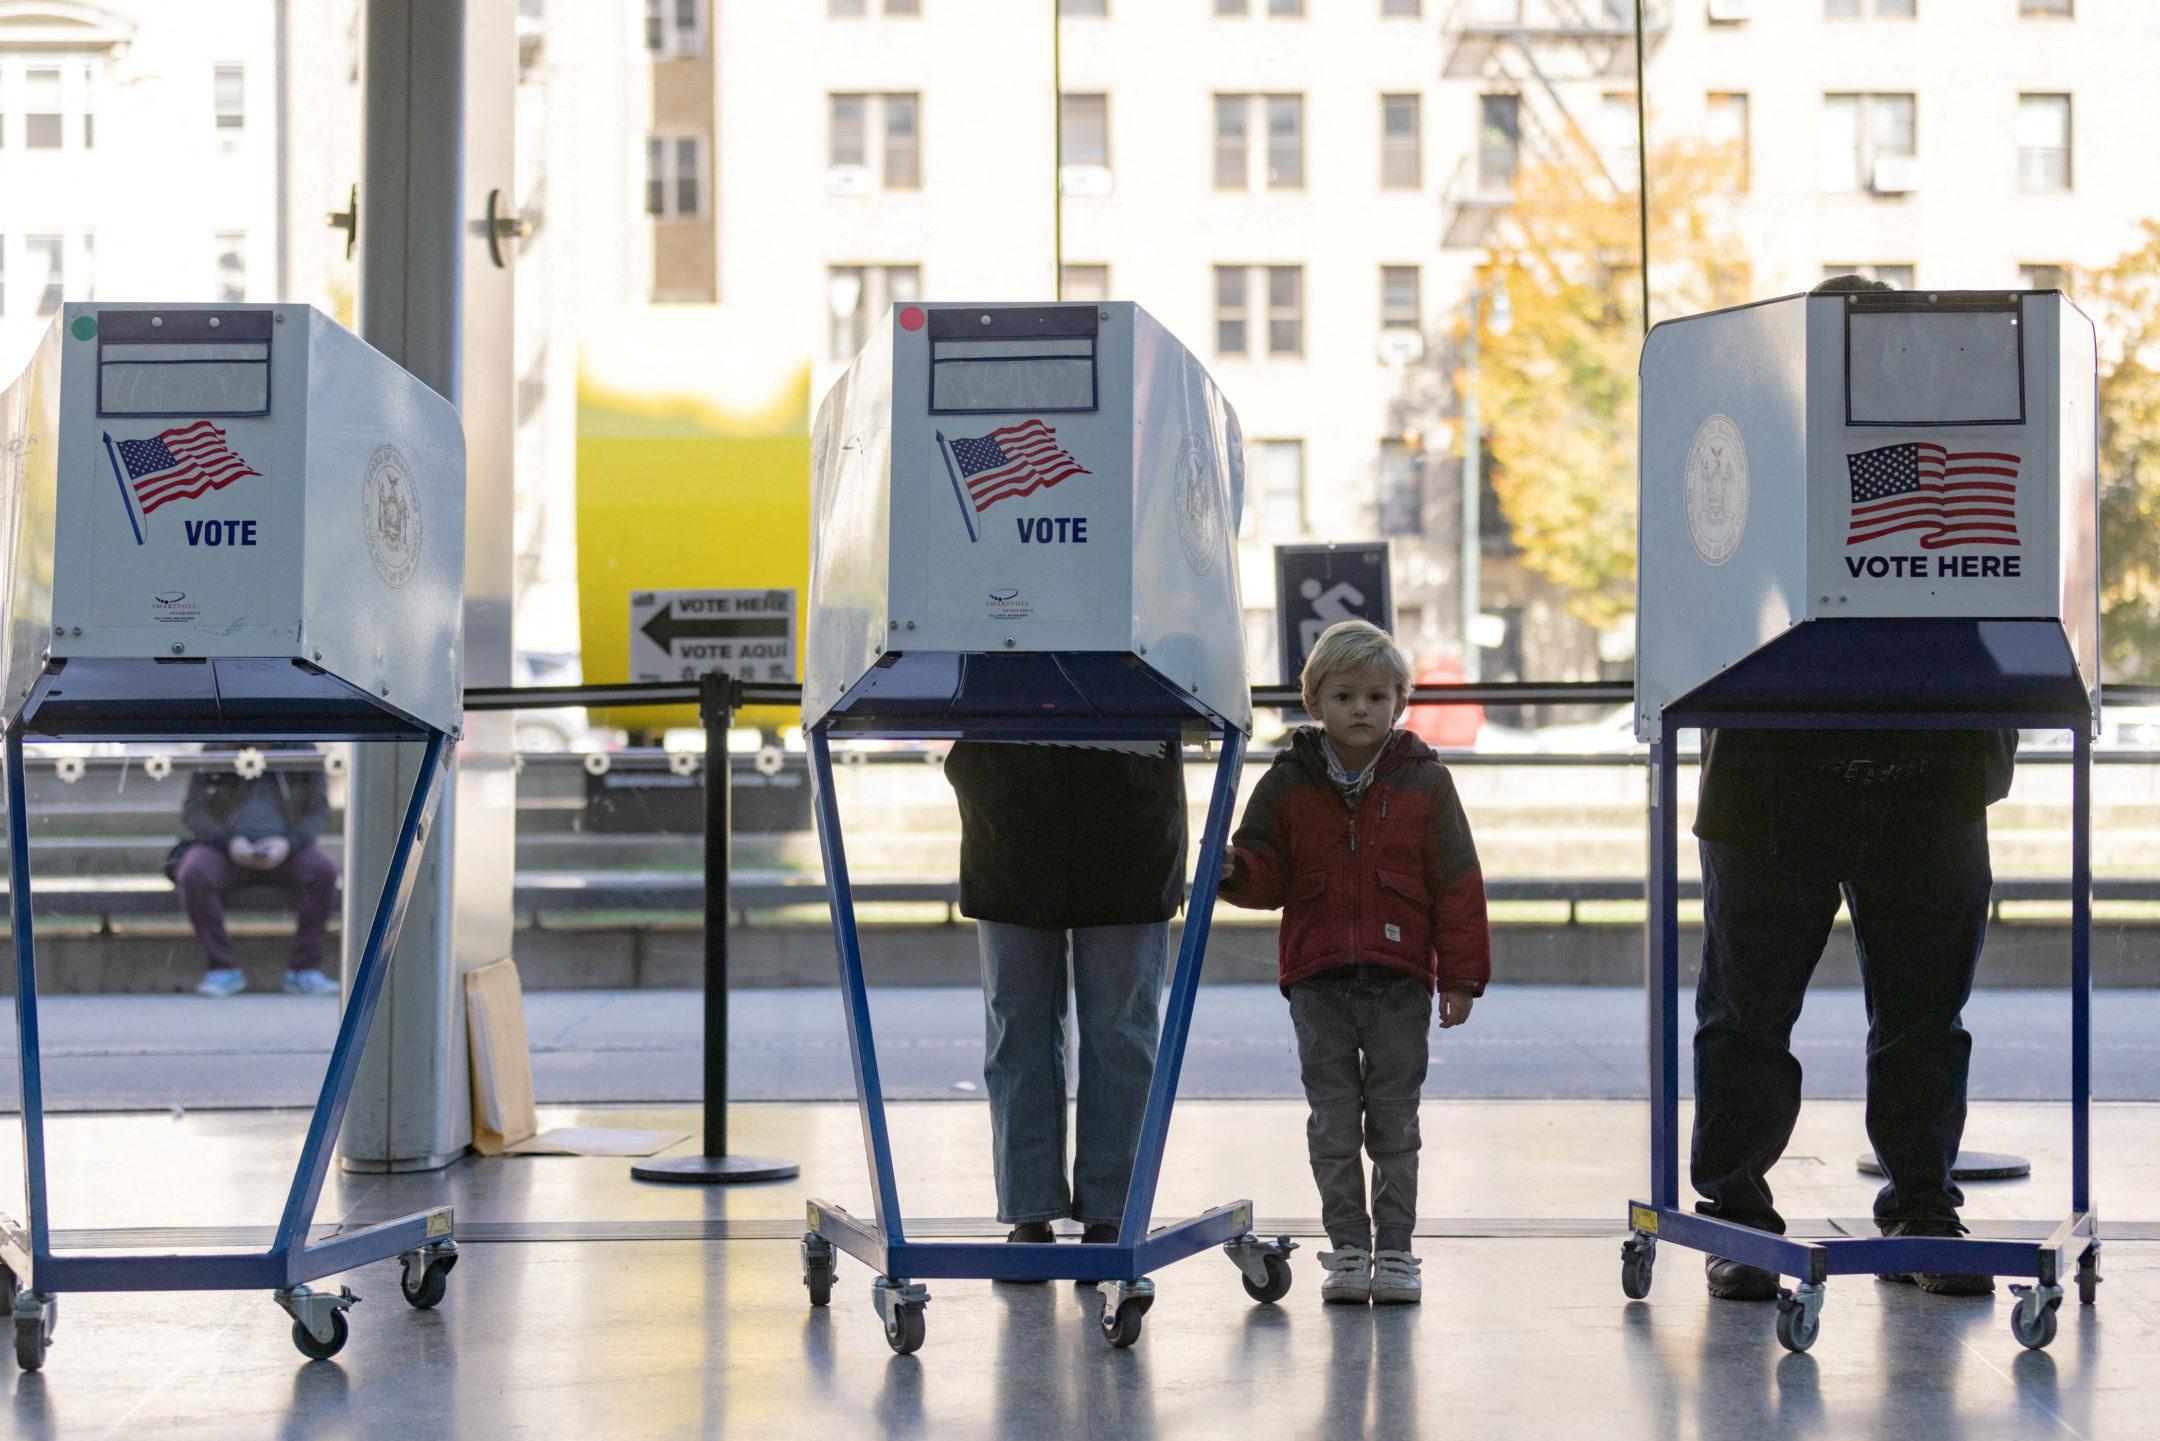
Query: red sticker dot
911, 318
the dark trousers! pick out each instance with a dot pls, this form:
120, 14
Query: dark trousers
1362, 1047
206, 875
1919, 904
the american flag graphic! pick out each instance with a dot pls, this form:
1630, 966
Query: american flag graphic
1951, 497
180, 464
1010, 461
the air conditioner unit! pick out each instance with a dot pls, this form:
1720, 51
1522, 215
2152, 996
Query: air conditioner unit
1401, 347
1731, 12
1088, 180
1895, 174
849, 180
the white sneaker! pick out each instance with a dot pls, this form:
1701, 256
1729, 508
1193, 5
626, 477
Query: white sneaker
309, 982
1349, 1276
225, 981
1395, 1279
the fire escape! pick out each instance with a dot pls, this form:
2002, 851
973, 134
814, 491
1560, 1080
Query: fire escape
1529, 57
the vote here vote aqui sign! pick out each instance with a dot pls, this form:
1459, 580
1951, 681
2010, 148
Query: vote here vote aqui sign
683, 634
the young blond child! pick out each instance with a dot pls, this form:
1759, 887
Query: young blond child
1356, 833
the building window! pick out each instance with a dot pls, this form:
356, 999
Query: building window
46, 255
1286, 142
228, 99
1401, 489
89, 106
1403, 9
1089, 283
675, 177
41, 109
1277, 472
1230, 310
1881, 9
847, 10
857, 294
1868, 142
231, 285
1727, 128
1231, 7
3, 276
2043, 140
2043, 277
1399, 308
1897, 277
1084, 9
1231, 150
903, 8
844, 131
1286, 309
675, 29
1084, 144
1286, 7
88, 289
1499, 142
903, 142
1401, 160
2044, 9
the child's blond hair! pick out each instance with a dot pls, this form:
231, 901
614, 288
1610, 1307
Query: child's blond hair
1354, 645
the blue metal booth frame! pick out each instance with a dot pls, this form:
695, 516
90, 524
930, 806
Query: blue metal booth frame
1044, 697
1948, 674
251, 700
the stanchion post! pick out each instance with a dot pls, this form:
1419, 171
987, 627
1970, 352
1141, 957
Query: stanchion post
717, 696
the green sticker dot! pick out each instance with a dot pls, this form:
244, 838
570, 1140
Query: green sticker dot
84, 327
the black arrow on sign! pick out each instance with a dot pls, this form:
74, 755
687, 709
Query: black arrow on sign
663, 630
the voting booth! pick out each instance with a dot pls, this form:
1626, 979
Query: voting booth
1024, 528
227, 523
1867, 510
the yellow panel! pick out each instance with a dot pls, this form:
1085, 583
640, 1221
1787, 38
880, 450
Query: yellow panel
679, 490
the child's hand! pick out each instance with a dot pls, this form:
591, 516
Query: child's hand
1229, 866
1455, 1008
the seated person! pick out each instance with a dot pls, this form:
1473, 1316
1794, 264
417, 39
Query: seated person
242, 830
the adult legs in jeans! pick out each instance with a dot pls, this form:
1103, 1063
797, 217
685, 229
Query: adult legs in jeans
1919, 919
1024, 985
206, 875
1766, 917
1117, 990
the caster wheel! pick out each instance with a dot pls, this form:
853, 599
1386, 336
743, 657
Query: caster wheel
818, 1268
2033, 1334
30, 1343
1122, 1327
904, 1332
1635, 1266
2088, 1276
434, 1283
1796, 1330
1277, 1287
316, 1350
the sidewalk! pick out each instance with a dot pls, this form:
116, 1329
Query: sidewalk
137, 1052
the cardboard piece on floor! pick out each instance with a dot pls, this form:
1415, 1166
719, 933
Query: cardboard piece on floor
597, 1141
504, 1121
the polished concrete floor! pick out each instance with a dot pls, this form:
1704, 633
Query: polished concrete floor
590, 1305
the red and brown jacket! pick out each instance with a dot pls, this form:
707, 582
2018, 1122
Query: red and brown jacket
1393, 883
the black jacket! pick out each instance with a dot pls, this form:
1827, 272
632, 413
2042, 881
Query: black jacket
1062, 836
1777, 786
214, 799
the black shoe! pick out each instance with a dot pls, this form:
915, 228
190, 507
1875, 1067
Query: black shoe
1099, 1234
1737, 1281
1029, 1233
1937, 1283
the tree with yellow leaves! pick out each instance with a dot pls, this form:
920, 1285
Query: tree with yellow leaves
2123, 298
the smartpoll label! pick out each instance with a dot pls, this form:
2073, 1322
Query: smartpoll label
678, 635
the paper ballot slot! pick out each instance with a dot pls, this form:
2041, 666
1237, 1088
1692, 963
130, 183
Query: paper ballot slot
188, 362
1953, 360
986, 362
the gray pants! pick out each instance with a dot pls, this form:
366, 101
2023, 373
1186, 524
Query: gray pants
1362, 1048
1116, 975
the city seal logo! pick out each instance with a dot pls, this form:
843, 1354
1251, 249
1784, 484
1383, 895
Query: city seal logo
1716, 481
390, 515
1200, 508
